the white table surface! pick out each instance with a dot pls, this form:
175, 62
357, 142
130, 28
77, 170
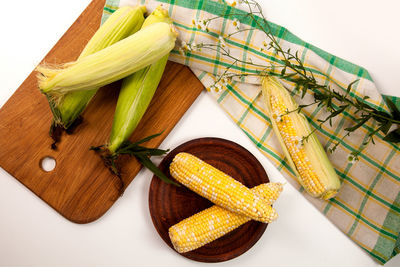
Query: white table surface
33, 234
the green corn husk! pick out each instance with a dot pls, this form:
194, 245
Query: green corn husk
113, 63
137, 91
306, 157
121, 24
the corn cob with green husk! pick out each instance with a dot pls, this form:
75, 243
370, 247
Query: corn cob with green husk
110, 64
212, 223
135, 95
137, 91
121, 24
220, 188
306, 156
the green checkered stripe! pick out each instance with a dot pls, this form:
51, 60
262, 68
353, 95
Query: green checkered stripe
367, 209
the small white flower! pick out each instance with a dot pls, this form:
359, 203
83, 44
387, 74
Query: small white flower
181, 51
277, 117
217, 87
195, 47
224, 81
236, 24
188, 47
298, 141
201, 24
197, 24
184, 45
222, 41
232, 3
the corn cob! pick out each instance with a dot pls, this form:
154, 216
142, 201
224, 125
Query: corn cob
219, 188
122, 23
307, 157
113, 63
135, 95
212, 223
137, 91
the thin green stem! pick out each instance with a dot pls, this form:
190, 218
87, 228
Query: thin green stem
306, 81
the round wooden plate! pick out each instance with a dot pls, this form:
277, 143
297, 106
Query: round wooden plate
170, 204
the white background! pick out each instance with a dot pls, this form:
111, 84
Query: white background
32, 234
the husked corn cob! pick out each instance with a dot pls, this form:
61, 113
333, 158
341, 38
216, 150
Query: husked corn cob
219, 188
122, 23
270, 192
110, 64
212, 223
307, 158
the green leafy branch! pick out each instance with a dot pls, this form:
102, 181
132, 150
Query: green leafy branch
291, 68
141, 153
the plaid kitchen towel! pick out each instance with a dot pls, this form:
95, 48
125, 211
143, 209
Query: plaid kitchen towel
367, 209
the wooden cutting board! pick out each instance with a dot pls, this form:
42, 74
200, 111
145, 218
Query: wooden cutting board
80, 187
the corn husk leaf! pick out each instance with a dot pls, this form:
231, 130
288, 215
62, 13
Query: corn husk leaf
113, 63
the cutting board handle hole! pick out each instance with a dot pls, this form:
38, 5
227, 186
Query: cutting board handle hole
48, 164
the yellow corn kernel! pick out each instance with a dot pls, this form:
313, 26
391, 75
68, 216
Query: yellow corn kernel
219, 188
212, 223
269, 192
307, 157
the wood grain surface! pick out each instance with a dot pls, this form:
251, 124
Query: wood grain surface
169, 204
81, 188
